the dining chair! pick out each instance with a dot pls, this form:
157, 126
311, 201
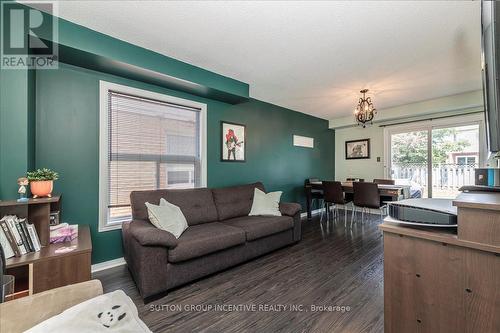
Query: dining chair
314, 194
314, 180
334, 194
384, 181
366, 196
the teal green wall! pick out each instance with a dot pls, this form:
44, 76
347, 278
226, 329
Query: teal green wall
67, 140
14, 134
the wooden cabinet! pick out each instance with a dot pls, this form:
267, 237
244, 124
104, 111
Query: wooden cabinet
436, 282
482, 297
438, 287
422, 283
46, 269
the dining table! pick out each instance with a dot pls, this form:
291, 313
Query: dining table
386, 192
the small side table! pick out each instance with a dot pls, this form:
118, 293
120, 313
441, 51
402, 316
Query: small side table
46, 269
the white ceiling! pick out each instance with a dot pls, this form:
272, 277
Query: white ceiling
312, 57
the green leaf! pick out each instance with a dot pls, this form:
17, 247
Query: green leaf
42, 174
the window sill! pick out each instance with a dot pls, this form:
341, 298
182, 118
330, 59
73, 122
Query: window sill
110, 226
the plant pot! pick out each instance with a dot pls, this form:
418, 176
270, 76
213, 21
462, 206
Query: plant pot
41, 188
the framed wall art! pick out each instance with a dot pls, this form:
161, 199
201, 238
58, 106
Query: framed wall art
233, 143
357, 149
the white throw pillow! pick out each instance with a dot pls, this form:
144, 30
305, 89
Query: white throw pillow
266, 203
167, 217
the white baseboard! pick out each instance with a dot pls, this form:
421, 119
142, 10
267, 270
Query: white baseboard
107, 264
314, 212
358, 211
370, 211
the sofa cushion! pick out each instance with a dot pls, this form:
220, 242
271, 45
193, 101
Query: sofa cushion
167, 217
261, 226
197, 205
205, 238
265, 204
289, 208
235, 201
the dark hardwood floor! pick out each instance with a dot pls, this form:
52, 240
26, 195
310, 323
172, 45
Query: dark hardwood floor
333, 265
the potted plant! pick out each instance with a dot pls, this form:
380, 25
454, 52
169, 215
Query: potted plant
42, 182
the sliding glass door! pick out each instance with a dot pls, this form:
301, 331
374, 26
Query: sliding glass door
455, 155
410, 161
434, 158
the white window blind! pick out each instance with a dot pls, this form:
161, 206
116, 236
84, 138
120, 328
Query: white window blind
151, 144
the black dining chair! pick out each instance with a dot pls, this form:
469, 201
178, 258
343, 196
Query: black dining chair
366, 196
384, 181
334, 195
313, 180
313, 194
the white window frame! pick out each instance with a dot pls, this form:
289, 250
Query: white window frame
466, 158
104, 87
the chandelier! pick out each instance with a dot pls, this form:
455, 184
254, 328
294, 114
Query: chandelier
364, 111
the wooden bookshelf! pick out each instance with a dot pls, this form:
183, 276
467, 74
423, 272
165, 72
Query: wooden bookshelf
43, 270
46, 269
37, 211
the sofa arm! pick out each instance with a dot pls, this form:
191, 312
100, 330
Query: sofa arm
149, 235
289, 208
293, 210
22, 314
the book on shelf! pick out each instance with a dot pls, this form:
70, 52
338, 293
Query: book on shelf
34, 236
4, 242
22, 223
20, 235
10, 237
11, 223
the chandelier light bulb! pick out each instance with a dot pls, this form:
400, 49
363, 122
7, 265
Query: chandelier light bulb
364, 111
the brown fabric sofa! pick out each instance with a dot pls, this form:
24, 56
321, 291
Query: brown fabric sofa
220, 235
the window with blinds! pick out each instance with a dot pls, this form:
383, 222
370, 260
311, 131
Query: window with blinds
151, 144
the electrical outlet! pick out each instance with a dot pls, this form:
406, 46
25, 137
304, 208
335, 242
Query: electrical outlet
378, 159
